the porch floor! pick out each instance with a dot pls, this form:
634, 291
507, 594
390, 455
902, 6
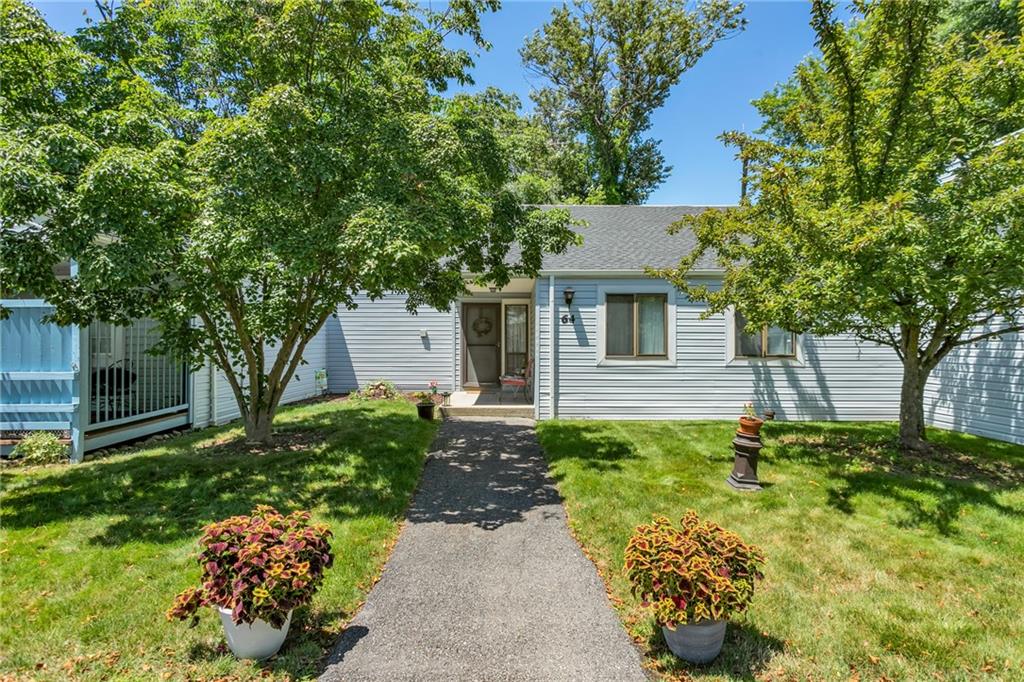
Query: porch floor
488, 403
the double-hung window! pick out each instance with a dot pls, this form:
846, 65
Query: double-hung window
636, 326
764, 342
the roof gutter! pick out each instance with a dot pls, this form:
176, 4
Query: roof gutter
622, 273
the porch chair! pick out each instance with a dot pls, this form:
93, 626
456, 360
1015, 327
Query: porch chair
517, 382
112, 388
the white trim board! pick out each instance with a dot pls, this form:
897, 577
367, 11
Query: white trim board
552, 349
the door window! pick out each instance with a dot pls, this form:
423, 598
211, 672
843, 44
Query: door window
516, 338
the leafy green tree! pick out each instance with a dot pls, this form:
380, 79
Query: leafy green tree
965, 19
886, 197
609, 65
253, 165
548, 169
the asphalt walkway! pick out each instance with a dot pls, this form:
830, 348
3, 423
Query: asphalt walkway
485, 582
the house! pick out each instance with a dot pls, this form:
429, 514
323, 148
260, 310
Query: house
604, 341
599, 339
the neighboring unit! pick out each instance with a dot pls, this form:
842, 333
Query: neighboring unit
102, 385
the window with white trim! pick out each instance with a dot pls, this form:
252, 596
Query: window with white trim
766, 342
636, 325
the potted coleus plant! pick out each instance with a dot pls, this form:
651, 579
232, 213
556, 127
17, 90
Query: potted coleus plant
256, 570
693, 578
750, 423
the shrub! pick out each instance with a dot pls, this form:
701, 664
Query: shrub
259, 566
698, 572
41, 447
378, 389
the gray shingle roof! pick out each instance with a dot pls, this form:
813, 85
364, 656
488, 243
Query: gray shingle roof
628, 238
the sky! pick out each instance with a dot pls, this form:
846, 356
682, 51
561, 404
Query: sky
711, 98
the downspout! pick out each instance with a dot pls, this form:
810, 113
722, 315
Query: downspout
456, 341
535, 301
80, 365
553, 401
213, 393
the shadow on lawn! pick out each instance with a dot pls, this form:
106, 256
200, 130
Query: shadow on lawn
932, 488
171, 495
601, 448
745, 654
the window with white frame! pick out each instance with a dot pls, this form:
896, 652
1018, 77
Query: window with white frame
763, 342
636, 325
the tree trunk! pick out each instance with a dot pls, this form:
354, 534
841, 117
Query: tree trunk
258, 427
912, 406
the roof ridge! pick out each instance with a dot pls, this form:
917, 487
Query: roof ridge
597, 206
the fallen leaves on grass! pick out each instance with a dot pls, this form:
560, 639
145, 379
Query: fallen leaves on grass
861, 455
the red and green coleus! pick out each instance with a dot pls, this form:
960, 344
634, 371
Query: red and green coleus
259, 566
694, 573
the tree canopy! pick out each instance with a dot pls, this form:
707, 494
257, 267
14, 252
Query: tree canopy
607, 67
254, 165
886, 194
966, 19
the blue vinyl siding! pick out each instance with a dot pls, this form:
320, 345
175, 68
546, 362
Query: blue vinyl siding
840, 377
381, 339
38, 371
979, 389
302, 385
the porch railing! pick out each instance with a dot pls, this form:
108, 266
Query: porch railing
126, 382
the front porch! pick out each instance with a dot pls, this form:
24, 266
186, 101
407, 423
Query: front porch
495, 329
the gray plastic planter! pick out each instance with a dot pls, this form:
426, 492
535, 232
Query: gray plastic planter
698, 642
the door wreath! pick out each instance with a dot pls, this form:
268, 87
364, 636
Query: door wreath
482, 326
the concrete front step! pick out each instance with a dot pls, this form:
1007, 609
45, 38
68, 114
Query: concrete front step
488, 411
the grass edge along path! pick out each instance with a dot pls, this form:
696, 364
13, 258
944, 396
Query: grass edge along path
879, 565
92, 555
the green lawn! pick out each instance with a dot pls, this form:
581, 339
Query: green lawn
879, 566
92, 555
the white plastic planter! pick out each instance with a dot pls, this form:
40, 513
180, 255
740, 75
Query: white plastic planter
258, 640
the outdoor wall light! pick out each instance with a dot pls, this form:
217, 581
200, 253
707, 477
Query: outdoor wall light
567, 294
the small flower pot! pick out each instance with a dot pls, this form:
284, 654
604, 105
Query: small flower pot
425, 410
255, 641
750, 425
699, 642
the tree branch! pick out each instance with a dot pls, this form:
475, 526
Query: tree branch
910, 65
833, 49
988, 335
224, 361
